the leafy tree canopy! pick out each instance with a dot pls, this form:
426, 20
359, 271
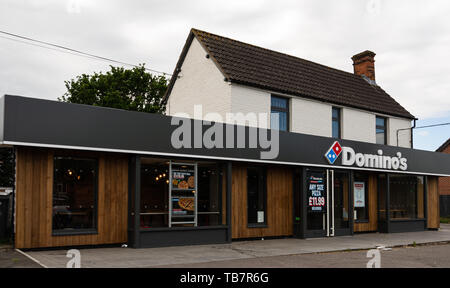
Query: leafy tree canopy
130, 89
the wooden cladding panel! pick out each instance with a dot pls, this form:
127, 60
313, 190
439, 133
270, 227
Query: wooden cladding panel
279, 204
433, 203
372, 225
34, 196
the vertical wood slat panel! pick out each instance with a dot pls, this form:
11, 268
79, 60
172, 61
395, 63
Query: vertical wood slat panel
101, 196
28, 197
433, 203
372, 225
34, 196
279, 203
20, 202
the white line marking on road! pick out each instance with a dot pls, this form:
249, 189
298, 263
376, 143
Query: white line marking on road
28, 256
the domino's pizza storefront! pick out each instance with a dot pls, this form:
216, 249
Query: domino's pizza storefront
94, 176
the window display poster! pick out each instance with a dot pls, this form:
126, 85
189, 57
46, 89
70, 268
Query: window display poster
183, 206
316, 193
183, 179
260, 216
359, 191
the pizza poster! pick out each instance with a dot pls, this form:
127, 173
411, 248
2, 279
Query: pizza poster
316, 193
183, 206
183, 179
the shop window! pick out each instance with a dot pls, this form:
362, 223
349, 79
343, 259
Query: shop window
361, 197
280, 107
406, 197
381, 135
154, 193
74, 194
196, 193
209, 195
336, 122
256, 196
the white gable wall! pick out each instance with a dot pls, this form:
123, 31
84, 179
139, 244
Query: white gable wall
201, 82
250, 100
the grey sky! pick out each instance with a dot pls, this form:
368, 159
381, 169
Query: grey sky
411, 39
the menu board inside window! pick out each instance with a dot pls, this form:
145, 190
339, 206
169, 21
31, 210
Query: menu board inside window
359, 193
183, 194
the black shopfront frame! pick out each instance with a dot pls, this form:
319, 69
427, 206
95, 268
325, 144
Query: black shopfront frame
300, 199
396, 226
136, 134
173, 236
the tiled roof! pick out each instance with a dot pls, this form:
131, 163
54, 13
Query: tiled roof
250, 65
443, 146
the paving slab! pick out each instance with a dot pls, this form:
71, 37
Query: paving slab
185, 255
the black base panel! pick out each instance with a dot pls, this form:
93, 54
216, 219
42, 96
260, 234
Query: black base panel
444, 203
150, 239
407, 226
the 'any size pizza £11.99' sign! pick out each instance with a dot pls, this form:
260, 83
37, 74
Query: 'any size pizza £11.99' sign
380, 161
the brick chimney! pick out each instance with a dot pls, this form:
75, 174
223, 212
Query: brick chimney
364, 64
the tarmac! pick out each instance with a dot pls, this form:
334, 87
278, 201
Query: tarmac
187, 256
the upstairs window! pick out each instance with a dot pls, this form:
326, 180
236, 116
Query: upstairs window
381, 130
336, 122
280, 107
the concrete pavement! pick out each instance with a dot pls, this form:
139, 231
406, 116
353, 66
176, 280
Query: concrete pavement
186, 255
9, 258
428, 256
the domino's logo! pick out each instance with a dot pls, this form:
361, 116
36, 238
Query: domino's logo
334, 152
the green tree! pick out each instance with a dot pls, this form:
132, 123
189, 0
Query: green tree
130, 89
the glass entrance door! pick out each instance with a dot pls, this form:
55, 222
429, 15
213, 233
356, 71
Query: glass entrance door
340, 203
316, 203
328, 203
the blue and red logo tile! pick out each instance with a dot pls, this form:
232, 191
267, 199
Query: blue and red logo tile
333, 153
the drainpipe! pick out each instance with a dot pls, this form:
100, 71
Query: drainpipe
412, 141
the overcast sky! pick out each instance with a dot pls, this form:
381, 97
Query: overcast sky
411, 40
